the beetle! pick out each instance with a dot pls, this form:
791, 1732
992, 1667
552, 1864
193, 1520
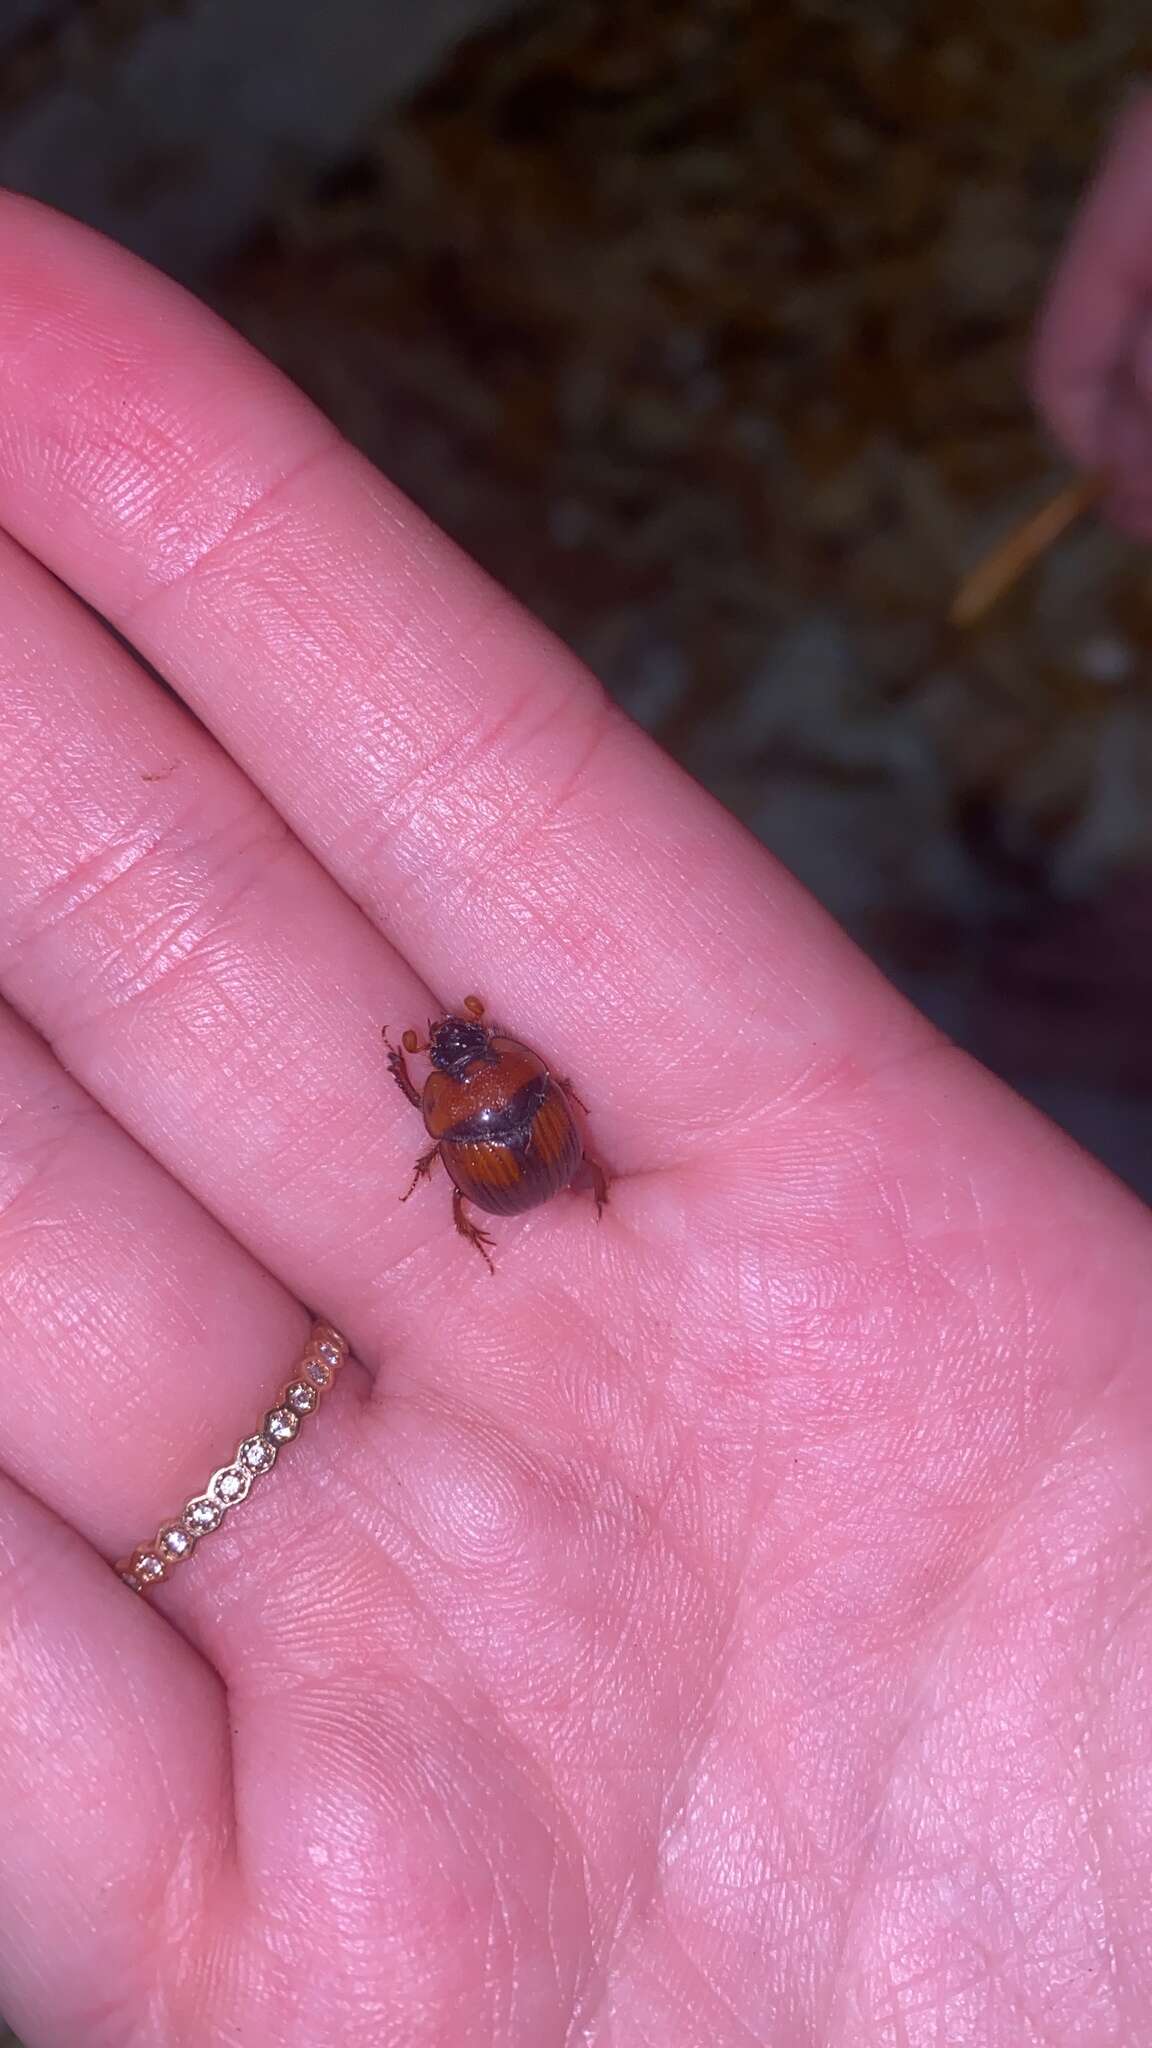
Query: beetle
501, 1121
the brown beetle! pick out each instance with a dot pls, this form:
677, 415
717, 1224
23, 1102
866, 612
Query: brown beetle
503, 1125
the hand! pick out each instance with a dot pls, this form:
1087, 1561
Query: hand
1093, 360
730, 1623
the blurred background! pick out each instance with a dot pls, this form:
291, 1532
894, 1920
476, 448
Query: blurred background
701, 323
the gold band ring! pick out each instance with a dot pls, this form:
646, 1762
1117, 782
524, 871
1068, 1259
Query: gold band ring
298, 1398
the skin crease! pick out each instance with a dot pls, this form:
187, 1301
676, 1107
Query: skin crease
729, 1625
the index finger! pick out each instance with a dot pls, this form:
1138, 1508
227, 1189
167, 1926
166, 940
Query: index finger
450, 764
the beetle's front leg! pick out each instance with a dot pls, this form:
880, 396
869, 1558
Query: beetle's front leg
398, 1068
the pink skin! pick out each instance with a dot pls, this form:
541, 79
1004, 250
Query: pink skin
1092, 369
731, 1624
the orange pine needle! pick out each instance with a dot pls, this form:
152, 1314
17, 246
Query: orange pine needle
1009, 560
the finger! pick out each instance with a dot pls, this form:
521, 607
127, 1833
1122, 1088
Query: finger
114, 1784
453, 768
153, 1342
1093, 330
138, 1347
207, 981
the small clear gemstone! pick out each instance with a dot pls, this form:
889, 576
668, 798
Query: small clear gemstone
149, 1567
281, 1425
329, 1350
319, 1371
202, 1514
174, 1541
130, 1579
258, 1455
300, 1397
231, 1484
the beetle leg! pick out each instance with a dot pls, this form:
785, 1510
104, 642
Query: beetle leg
398, 1068
422, 1169
590, 1174
566, 1088
470, 1230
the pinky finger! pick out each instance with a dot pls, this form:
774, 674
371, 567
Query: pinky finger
114, 1789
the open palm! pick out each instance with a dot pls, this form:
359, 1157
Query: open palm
730, 1622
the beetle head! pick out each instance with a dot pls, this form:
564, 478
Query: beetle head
455, 1043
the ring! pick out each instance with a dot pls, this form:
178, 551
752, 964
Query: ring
177, 1538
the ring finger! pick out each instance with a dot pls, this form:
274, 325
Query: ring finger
143, 1342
